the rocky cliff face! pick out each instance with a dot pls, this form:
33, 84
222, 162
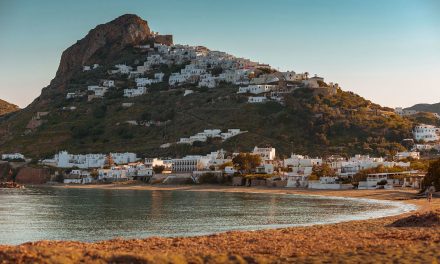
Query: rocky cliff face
6, 107
102, 44
113, 36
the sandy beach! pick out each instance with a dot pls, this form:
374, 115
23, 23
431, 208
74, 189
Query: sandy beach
366, 241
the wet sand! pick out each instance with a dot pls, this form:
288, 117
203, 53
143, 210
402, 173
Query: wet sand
365, 241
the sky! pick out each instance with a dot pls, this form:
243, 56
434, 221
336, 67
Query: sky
386, 51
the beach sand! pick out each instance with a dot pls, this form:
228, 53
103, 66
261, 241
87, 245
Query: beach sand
365, 241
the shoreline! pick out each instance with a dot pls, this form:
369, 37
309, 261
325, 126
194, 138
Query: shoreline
347, 241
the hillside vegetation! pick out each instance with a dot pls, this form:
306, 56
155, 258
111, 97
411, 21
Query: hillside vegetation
309, 124
6, 108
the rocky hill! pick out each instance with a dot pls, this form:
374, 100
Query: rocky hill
434, 108
318, 121
6, 108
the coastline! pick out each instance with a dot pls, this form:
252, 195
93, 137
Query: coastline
350, 240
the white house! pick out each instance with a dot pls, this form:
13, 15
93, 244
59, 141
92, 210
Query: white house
361, 162
99, 91
328, 183
231, 133
92, 67
210, 132
299, 169
122, 68
292, 76
217, 158
124, 158
405, 112
78, 177
407, 154
13, 156
198, 137
257, 99
112, 174
301, 161
265, 168
422, 147
427, 133
177, 78
153, 162
73, 95
85, 161
207, 80
143, 82
185, 141
266, 154
188, 164
256, 89
108, 83
135, 92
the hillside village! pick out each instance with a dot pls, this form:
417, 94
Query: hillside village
203, 68
296, 171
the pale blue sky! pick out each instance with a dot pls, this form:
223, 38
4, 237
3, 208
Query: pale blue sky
387, 51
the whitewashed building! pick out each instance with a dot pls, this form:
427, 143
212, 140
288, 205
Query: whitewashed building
427, 133
85, 161
13, 156
257, 99
135, 92
207, 80
352, 166
188, 164
113, 174
78, 177
266, 154
74, 95
99, 91
122, 69
108, 83
301, 161
256, 89
407, 154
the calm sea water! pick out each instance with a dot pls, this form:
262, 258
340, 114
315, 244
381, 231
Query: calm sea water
90, 214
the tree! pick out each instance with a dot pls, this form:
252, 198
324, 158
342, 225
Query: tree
246, 162
158, 169
109, 162
432, 178
226, 164
319, 171
94, 174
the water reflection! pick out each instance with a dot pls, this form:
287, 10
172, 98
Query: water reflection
90, 215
